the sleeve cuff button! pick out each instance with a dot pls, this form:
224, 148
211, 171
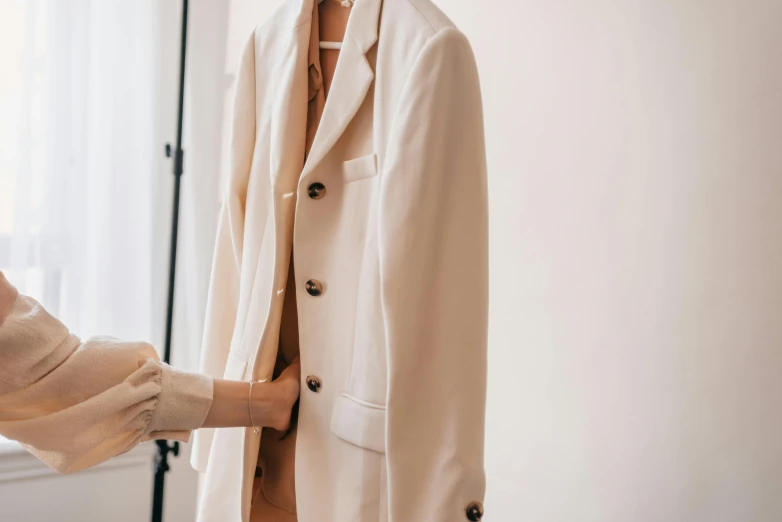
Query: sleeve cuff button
474, 511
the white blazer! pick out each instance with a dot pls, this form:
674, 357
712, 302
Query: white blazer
388, 220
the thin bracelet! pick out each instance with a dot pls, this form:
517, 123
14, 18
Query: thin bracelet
250, 406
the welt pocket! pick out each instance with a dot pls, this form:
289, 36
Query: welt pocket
359, 168
360, 423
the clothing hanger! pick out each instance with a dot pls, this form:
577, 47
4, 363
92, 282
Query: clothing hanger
331, 45
335, 45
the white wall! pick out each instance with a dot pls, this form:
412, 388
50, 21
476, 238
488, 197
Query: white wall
635, 154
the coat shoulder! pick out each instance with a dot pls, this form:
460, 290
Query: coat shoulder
428, 15
276, 27
421, 24
269, 39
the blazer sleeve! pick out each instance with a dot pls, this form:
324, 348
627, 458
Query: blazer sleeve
223, 298
74, 403
433, 237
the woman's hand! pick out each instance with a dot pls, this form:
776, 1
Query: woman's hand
276, 402
271, 402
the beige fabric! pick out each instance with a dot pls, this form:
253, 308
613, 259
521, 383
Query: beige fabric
399, 245
73, 403
263, 510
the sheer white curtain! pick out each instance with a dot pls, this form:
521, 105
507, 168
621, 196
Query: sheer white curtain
88, 99
88, 92
79, 148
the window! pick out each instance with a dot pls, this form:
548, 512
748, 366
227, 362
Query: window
28, 244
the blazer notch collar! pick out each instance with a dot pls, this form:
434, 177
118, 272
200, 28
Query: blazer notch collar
363, 23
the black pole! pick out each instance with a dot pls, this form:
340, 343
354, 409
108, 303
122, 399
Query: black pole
164, 448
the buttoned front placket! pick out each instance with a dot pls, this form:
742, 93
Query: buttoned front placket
275, 465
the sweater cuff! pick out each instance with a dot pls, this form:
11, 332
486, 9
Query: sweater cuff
184, 401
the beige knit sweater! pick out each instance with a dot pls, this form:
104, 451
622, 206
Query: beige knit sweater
73, 403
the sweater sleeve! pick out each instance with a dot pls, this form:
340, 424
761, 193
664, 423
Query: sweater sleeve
73, 403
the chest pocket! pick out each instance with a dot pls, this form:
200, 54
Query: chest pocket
359, 422
359, 168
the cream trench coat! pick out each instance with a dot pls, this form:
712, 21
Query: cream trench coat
387, 222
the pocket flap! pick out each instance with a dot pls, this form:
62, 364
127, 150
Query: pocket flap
360, 423
359, 168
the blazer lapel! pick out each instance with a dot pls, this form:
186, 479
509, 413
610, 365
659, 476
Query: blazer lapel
286, 156
351, 81
289, 111
288, 128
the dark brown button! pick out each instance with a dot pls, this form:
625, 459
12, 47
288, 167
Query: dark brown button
313, 383
314, 288
474, 511
316, 190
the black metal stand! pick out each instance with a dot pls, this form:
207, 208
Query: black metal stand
164, 448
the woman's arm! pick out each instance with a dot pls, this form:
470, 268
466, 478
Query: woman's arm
271, 402
74, 403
